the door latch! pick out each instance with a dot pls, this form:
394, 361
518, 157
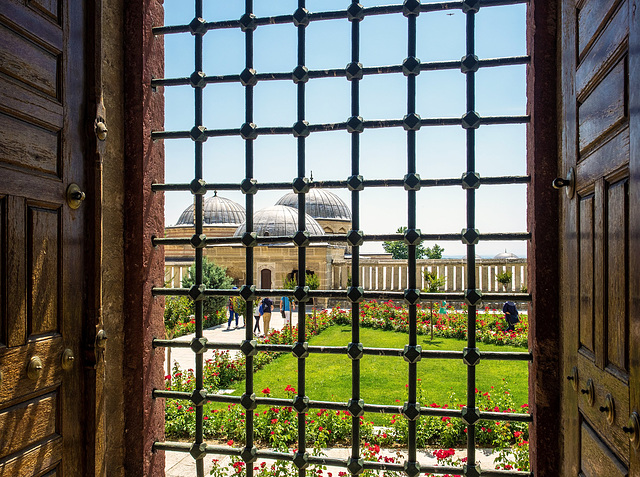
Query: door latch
569, 182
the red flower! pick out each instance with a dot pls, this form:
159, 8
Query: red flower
266, 391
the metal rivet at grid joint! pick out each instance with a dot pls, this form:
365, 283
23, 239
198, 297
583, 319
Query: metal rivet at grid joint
198, 241
355, 294
355, 238
249, 186
301, 17
198, 397
412, 181
412, 296
248, 131
411, 122
470, 236
354, 71
412, 354
470, 415
301, 404
248, 77
355, 124
355, 351
411, 66
249, 347
470, 180
411, 8
472, 470
473, 297
196, 293
355, 12
198, 134
248, 292
300, 349
248, 22
411, 410
197, 26
197, 79
356, 407
198, 451
300, 185
249, 454
301, 238
301, 294
301, 129
198, 187
412, 236
301, 460
300, 74
471, 120
470, 6
412, 468
249, 239
471, 356
355, 466
198, 345
355, 183
248, 401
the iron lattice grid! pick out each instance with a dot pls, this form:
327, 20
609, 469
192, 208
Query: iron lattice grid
412, 183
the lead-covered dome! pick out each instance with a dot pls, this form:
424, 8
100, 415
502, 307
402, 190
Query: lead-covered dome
216, 211
279, 220
505, 256
319, 204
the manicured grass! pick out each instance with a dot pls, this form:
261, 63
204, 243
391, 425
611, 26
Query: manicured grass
383, 379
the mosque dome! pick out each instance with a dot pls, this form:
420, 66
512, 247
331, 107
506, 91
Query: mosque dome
505, 256
319, 204
216, 211
279, 220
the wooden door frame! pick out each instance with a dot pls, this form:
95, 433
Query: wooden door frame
143, 368
144, 217
546, 445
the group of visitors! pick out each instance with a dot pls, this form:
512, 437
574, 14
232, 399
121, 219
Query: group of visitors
262, 309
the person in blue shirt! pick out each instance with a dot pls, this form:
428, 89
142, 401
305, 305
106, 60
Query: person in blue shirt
286, 306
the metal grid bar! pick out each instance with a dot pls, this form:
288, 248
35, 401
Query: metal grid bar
411, 67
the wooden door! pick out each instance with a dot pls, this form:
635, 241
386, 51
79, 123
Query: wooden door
597, 244
42, 269
265, 278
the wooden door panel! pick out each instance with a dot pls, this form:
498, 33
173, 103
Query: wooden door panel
597, 460
617, 327
16, 272
35, 461
50, 9
604, 108
44, 268
29, 423
586, 250
42, 263
604, 383
604, 50
596, 143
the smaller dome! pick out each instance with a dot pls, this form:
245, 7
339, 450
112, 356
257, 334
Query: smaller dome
216, 210
279, 220
505, 256
319, 204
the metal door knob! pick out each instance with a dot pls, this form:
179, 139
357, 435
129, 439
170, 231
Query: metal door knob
101, 130
67, 359
633, 429
34, 370
74, 196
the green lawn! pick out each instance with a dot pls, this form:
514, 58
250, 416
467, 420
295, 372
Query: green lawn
383, 379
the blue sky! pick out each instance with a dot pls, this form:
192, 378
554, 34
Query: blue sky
441, 153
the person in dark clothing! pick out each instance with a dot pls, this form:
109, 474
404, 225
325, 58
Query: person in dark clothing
510, 315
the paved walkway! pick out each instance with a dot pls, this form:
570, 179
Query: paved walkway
180, 464
185, 357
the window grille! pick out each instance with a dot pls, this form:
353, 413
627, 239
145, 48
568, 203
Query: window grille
412, 182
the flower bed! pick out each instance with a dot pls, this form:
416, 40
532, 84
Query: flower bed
276, 427
490, 325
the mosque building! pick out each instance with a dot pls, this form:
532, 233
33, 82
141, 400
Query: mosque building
274, 264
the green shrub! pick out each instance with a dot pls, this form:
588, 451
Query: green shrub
213, 276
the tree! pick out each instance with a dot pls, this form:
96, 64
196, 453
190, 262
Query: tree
400, 250
213, 276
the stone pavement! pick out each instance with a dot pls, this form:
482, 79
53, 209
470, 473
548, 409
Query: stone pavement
185, 357
183, 465
180, 464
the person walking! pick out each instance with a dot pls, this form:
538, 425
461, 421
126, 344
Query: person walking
231, 314
510, 315
257, 313
266, 313
287, 306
